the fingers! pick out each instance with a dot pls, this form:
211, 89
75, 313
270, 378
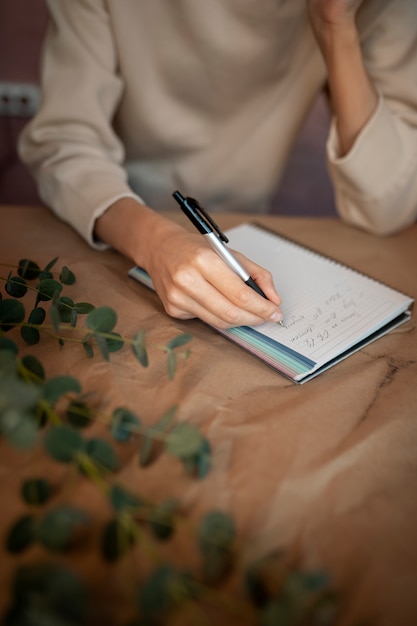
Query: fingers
208, 289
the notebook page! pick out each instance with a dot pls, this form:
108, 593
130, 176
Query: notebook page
327, 307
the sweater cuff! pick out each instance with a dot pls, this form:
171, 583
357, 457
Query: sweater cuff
371, 167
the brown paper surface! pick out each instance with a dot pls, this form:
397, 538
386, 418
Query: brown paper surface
328, 469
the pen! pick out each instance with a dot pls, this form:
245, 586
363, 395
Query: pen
216, 238
209, 229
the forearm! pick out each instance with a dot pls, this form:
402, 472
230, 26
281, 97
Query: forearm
131, 228
353, 95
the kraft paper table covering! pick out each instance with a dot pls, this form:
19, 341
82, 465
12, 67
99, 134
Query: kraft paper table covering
329, 467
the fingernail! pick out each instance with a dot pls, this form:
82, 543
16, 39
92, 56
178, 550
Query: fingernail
277, 317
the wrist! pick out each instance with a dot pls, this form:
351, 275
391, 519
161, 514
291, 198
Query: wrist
134, 229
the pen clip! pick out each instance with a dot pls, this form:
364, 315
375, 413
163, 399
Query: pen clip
202, 213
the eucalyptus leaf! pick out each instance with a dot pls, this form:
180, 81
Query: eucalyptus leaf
28, 269
84, 307
123, 423
19, 428
74, 318
103, 454
115, 342
121, 499
116, 541
67, 277
102, 346
79, 414
30, 336
162, 519
47, 287
63, 443
55, 316
12, 312
36, 491
50, 265
16, 286
21, 535
55, 388
218, 529
8, 345
178, 341
163, 590
102, 319
37, 316
139, 348
65, 308
47, 594
184, 441
88, 349
34, 367
57, 530
146, 450
45, 275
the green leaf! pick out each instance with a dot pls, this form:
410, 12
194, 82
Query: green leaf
102, 346
48, 595
218, 529
47, 288
8, 345
79, 414
67, 276
74, 318
63, 443
50, 265
88, 349
28, 269
145, 451
84, 307
36, 491
115, 343
59, 527
179, 340
16, 286
55, 388
12, 312
37, 316
162, 590
55, 316
121, 499
163, 519
139, 348
117, 539
65, 308
30, 335
21, 535
34, 367
19, 428
103, 455
102, 320
184, 441
123, 424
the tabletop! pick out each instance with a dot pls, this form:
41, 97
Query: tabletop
326, 470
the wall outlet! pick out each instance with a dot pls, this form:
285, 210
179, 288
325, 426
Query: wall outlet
19, 99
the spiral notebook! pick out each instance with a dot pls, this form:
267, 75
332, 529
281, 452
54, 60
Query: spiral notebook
330, 310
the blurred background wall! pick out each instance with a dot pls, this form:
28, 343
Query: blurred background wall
304, 190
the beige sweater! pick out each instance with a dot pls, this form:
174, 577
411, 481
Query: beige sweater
141, 97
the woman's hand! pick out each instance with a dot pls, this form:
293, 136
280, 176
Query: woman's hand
328, 15
189, 277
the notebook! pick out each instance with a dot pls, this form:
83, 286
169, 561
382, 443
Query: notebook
330, 310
